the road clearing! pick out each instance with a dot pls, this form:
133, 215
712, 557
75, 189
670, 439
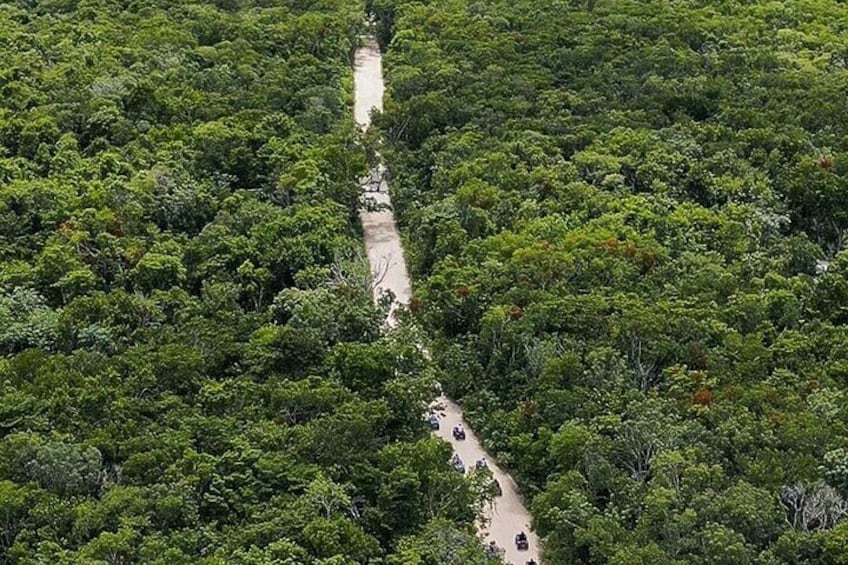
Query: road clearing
507, 516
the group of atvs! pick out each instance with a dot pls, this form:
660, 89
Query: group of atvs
456, 463
458, 432
521, 544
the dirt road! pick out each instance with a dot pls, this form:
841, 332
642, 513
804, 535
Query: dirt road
385, 254
382, 241
508, 516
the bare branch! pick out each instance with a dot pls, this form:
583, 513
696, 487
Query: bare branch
817, 507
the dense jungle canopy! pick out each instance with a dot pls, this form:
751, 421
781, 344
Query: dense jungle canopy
192, 367
626, 223
615, 212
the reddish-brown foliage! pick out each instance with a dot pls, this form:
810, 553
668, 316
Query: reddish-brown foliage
648, 260
826, 162
462, 290
516, 312
702, 397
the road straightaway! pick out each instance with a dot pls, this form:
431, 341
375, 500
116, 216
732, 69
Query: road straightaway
507, 516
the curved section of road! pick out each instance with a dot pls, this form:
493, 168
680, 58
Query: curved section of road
507, 516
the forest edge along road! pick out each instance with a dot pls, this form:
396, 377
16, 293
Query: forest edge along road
507, 516
382, 241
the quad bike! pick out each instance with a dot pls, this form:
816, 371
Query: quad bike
457, 464
493, 550
521, 542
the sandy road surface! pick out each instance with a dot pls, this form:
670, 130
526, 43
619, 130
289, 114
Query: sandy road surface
508, 516
382, 241
385, 254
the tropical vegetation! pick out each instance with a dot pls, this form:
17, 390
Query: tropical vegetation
626, 220
191, 366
